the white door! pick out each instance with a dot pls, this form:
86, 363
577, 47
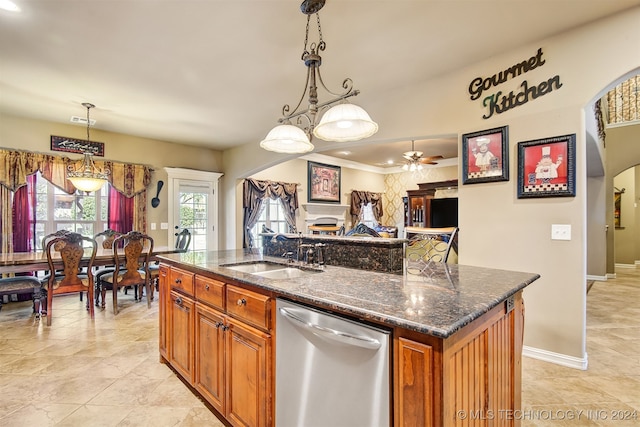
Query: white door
193, 205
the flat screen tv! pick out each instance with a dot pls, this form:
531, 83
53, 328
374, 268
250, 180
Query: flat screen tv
444, 212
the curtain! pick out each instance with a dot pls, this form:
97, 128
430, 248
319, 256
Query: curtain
255, 191
359, 198
120, 211
6, 221
15, 166
23, 217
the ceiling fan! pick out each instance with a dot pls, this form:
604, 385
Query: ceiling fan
415, 160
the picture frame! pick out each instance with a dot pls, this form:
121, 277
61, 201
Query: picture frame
485, 156
323, 183
547, 167
73, 145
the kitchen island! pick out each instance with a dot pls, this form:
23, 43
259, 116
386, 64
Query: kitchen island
456, 333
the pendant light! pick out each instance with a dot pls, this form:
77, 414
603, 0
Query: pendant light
341, 122
88, 177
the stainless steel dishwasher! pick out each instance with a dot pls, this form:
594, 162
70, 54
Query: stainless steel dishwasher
330, 371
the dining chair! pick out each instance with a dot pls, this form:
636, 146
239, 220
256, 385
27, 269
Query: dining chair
71, 250
427, 246
104, 239
45, 240
131, 267
23, 285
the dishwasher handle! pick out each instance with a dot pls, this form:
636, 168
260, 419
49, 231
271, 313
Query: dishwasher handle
333, 334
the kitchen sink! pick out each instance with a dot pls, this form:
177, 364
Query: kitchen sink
286, 273
271, 270
255, 267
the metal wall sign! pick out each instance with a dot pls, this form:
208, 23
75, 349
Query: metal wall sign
499, 102
72, 145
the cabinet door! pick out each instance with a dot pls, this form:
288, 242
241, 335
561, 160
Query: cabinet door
414, 403
248, 375
180, 334
209, 354
163, 296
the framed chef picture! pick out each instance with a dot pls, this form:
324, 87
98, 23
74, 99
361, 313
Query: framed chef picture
485, 156
547, 167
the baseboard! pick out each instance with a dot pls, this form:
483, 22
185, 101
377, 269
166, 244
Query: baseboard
557, 358
611, 275
625, 265
597, 278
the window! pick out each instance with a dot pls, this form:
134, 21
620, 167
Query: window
367, 217
272, 217
84, 213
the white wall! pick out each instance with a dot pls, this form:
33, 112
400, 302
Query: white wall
500, 230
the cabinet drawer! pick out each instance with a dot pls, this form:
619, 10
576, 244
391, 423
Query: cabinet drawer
181, 279
210, 291
249, 306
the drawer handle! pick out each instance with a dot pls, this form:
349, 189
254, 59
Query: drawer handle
242, 301
178, 281
206, 287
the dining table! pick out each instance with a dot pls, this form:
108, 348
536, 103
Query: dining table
23, 262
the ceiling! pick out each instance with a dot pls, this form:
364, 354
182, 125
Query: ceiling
216, 73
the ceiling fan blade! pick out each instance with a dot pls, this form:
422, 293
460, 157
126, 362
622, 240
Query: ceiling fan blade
430, 160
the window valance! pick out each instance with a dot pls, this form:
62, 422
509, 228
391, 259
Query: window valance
15, 165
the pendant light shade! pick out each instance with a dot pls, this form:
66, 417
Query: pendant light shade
345, 122
287, 139
88, 177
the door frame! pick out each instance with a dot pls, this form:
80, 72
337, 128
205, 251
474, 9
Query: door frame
174, 175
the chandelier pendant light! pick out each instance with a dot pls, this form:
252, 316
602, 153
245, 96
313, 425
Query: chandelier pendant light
88, 177
341, 121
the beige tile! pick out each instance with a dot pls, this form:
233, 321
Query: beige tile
38, 414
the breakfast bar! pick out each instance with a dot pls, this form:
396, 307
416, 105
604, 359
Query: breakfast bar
456, 331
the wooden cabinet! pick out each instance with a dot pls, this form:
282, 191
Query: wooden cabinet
248, 378
180, 333
419, 211
163, 295
218, 339
471, 378
210, 346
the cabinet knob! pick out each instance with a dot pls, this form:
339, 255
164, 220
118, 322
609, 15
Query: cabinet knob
218, 324
179, 301
206, 287
225, 327
178, 281
242, 301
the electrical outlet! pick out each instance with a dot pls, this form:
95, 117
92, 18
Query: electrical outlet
560, 231
164, 225
153, 226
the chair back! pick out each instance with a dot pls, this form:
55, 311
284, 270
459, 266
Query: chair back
71, 249
183, 240
106, 238
362, 230
426, 246
52, 236
134, 256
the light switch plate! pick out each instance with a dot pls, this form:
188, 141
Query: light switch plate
153, 226
164, 225
560, 231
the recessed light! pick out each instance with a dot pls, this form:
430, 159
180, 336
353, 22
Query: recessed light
345, 153
390, 162
9, 5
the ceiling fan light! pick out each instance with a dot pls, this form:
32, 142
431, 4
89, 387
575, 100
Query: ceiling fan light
287, 139
345, 122
405, 167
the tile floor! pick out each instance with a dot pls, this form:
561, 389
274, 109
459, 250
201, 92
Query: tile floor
106, 372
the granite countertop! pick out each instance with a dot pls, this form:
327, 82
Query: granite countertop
438, 302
